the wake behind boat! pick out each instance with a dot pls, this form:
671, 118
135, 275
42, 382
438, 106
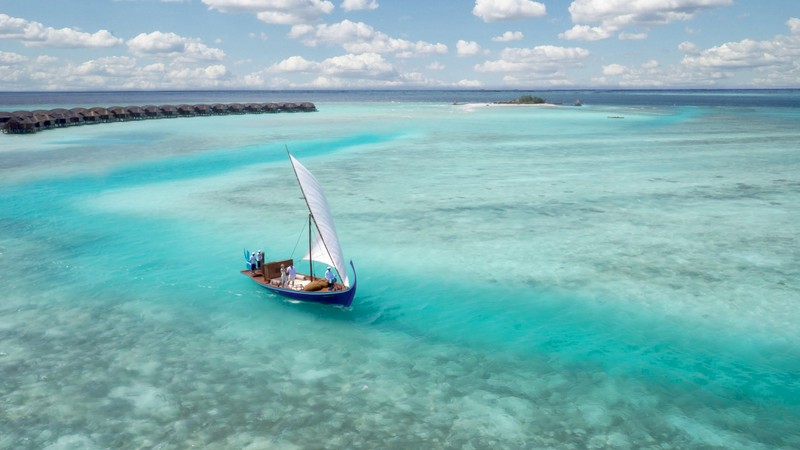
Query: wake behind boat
335, 288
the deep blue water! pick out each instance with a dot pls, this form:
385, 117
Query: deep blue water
783, 98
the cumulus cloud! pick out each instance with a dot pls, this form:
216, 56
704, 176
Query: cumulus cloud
358, 37
499, 10
467, 48
356, 5
613, 16
508, 36
11, 58
523, 63
365, 65
780, 52
469, 83
586, 33
173, 46
36, 34
282, 12
632, 36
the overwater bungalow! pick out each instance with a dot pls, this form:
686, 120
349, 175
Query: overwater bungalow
19, 124
43, 120
101, 114
308, 107
168, 111
85, 115
151, 111
119, 113
186, 110
60, 116
254, 107
31, 121
135, 112
219, 108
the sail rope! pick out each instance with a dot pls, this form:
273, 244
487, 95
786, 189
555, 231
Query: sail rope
302, 233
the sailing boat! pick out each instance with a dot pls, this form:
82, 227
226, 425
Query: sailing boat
323, 247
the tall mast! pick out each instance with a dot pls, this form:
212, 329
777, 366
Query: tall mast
310, 260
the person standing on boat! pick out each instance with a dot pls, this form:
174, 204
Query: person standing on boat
283, 276
253, 263
260, 258
330, 278
292, 274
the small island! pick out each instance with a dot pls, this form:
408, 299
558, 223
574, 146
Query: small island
524, 100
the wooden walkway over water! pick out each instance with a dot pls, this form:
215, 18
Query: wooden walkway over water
24, 122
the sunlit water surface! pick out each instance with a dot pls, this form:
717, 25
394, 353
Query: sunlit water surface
607, 276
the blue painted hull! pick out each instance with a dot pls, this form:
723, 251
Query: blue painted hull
341, 298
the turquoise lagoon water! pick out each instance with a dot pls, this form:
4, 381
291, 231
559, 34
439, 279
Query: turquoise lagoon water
529, 277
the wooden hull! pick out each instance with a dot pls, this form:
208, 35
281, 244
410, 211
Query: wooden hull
341, 297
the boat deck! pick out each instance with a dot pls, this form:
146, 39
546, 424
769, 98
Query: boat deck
300, 282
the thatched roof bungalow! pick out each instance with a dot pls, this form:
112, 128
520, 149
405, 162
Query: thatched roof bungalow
252, 107
151, 111
135, 112
119, 113
307, 107
202, 109
186, 110
168, 111
60, 116
101, 114
272, 107
19, 124
5, 117
219, 108
84, 114
42, 119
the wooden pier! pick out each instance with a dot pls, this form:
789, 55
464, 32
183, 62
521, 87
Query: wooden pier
25, 122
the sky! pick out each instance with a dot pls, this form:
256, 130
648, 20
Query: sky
398, 44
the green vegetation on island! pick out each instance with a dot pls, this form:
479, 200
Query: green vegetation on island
525, 100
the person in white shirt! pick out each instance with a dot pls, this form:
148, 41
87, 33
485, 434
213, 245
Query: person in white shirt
331, 279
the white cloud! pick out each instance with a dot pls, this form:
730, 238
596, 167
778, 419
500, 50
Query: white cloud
508, 36
543, 59
283, 12
467, 48
614, 69
632, 36
614, 15
358, 37
781, 52
113, 66
652, 64
11, 58
586, 33
173, 46
436, 65
356, 5
687, 47
498, 10
469, 83
36, 34
368, 65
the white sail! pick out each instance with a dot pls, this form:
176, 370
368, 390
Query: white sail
326, 248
